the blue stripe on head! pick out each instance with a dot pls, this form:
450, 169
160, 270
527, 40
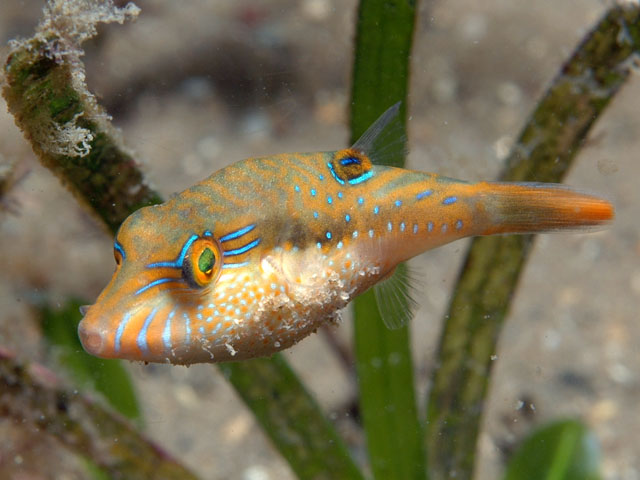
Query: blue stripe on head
185, 248
166, 333
187, 328
241, 250
118, 247
449, 200
142, 335
237, 233
178, 262
155, 283
120, 331
235, 265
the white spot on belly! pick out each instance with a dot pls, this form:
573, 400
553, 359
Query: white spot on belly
230, 349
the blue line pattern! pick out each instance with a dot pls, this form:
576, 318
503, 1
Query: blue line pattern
365, 176
241, 250
352, 181
350, 161
120, 331
178, 262
142, 335
235, 265
166, 333
334, 174
237, 233
118, 247
424, 194
155, 283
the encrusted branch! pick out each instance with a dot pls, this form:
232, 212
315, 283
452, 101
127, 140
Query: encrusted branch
32, 394
44, 86
544, 152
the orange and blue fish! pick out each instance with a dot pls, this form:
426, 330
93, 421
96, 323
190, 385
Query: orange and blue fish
263, 252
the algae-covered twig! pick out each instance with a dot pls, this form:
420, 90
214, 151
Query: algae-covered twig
32, 395
72, 136
544, 152
8, 178
45, 91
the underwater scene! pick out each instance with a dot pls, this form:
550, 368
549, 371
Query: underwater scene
319, 239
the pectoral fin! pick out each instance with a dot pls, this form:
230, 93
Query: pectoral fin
395, 297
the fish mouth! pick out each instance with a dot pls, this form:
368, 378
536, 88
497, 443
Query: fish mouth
91, 338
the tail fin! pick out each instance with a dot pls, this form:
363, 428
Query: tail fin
539, 207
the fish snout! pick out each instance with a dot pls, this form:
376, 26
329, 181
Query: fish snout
92, 337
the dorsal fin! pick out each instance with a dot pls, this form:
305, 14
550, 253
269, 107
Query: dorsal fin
394, 296
385, 142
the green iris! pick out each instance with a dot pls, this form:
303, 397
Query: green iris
206, 261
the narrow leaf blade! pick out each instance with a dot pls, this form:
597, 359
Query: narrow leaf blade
383, 356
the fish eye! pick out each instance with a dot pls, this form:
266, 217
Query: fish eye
202, 262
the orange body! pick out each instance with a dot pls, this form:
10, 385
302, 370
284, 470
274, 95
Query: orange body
257, 256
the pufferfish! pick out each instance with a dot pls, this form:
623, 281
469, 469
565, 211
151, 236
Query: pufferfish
263, 252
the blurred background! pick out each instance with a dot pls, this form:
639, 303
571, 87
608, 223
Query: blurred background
194, 88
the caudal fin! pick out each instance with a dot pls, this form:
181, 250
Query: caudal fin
539, 207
